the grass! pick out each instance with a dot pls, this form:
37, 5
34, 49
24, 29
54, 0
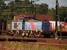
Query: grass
31, 46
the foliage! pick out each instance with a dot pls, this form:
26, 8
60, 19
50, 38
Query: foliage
2, 5
52, 12
62, 13
21, 7
42, 8
26, 7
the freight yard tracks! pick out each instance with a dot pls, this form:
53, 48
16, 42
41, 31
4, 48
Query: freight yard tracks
27, 39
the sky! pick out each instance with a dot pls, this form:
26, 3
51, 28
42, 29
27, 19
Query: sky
50, 3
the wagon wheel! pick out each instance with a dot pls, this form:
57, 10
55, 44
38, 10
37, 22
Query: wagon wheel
23, 34
9, 32
16, 33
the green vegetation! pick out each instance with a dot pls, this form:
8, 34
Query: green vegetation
32, 46
27, 7
21, 7
62, 13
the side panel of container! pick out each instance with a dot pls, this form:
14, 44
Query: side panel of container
0, 24
33, 25
46, 26
3, 24
16, 26
65, 27
52, 25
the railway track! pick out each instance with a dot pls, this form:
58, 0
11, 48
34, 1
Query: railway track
27, 39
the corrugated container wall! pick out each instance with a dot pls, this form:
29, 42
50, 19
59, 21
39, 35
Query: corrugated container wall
17, 26
46, 26
0, 24
33, 25
3, 24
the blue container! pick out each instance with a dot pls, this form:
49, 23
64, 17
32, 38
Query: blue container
45, 26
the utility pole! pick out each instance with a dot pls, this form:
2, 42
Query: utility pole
56, 18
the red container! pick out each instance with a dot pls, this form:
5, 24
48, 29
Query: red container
65, 27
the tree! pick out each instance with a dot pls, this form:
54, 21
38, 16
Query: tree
62, 13
26, 6
42, 8
21, 7
2, 5
52, 13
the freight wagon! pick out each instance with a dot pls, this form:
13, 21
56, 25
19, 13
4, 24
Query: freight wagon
32, 28
47, 28
28, 28
3, 26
